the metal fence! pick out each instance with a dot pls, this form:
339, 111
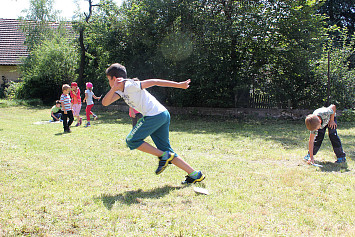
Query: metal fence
259, 101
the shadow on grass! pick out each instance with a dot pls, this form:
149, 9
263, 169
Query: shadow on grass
333, 167
134, 197
60, 134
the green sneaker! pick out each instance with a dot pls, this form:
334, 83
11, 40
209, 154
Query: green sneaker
190, 180
164, 161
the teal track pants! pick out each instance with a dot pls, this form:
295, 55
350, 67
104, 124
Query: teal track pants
157, 127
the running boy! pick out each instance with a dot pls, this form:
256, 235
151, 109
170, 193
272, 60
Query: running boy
66, 107
155, 122
317, 123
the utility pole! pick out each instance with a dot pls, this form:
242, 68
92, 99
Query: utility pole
328, 85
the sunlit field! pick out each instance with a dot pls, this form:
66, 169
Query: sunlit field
88, 183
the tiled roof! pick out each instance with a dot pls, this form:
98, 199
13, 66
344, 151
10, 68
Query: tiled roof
12, 39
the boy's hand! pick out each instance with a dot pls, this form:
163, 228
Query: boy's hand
116, 84
185, 84
332, 124
311, 161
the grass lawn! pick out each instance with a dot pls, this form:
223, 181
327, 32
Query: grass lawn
88, 183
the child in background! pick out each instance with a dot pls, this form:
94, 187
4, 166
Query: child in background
317, 123
155, 122
66, 107
76, 102
135, 116
56, 112
89, 95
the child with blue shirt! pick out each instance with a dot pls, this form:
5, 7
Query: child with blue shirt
155, 122
317, 123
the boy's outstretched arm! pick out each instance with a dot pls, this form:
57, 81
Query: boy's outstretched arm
310, 147
332, 124
165, 83
110, 97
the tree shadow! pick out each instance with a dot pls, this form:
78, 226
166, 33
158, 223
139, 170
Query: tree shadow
134, 197
333, 167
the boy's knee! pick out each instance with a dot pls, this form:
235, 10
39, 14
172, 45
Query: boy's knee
132, 143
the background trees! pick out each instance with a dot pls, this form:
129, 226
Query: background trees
51, 64
52, 59
228, 48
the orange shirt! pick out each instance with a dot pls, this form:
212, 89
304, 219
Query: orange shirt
75, 96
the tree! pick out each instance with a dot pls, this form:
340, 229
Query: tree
81, 26
340, 13
226, 47
37, 23
340, 83
50, 65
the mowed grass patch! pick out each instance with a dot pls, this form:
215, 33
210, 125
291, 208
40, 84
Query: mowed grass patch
89, 183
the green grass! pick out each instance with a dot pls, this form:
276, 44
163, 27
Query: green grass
88, 183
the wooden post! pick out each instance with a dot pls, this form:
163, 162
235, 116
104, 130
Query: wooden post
328, 86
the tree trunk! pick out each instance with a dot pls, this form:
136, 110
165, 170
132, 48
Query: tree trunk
80, 80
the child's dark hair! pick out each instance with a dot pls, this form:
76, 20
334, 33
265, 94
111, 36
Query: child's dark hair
57, 102
116, 70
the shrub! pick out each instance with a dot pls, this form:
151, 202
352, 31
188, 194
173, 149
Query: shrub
49, 66
348, 115
12, 91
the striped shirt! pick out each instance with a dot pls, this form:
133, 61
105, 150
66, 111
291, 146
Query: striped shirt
65, 99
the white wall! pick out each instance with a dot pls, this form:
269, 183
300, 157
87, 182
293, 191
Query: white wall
10, 73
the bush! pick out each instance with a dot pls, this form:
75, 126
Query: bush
348, 115
12, 91
49, 66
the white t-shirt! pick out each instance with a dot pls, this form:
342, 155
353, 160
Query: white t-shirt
139, 99
89, 100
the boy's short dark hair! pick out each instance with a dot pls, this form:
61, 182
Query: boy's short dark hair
57, 102
116, 70
312, 122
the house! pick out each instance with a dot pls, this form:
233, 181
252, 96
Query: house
12, 48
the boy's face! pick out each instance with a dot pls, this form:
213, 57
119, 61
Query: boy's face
112, 80
58, 105
319, 124
66, 91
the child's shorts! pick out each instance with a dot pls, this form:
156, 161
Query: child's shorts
76, 109
157, 127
